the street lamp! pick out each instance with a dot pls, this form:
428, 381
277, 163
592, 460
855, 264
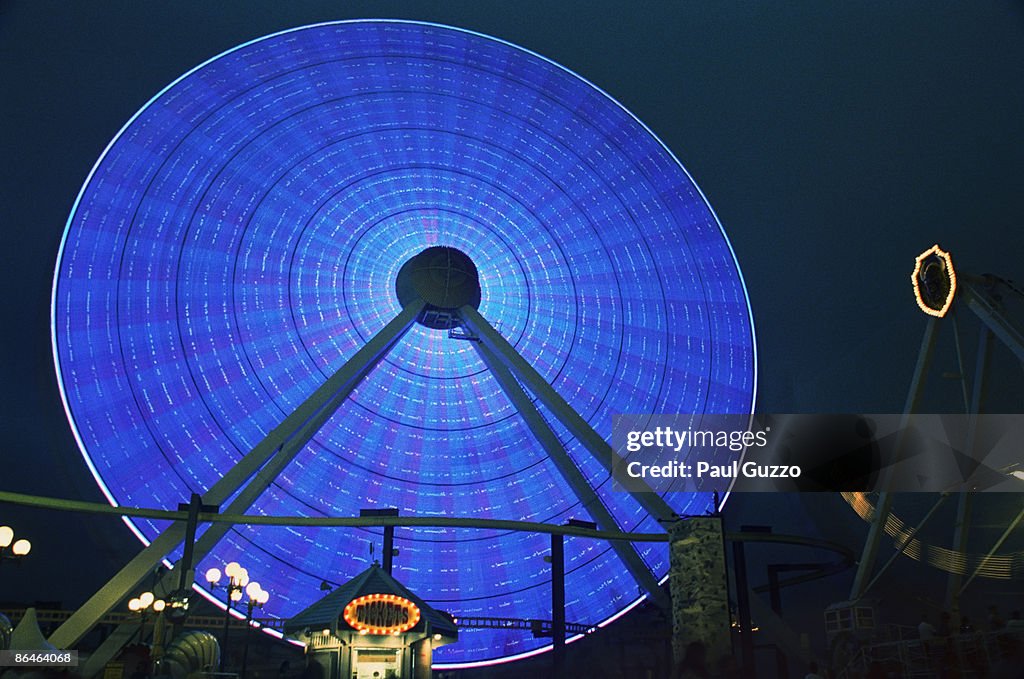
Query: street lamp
257, 597
141, 605
238, 578
11, 548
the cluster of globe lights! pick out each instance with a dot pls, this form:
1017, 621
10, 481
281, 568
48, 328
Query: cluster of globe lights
239, 240
19, 547
141, 603
238, 581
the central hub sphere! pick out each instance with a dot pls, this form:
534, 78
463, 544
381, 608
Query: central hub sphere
443, 277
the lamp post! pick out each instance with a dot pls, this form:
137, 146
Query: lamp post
257, 597
238, 578
11, 548
141, 605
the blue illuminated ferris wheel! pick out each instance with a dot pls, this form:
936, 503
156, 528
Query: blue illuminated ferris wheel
403, 230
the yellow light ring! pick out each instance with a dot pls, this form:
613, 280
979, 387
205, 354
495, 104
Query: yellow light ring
352, 611
997, 566
915, 278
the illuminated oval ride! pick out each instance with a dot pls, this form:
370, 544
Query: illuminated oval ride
241, 236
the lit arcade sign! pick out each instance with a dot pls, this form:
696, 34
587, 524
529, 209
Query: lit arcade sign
934, 281
381, 614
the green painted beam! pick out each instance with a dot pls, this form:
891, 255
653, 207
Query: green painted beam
329, 521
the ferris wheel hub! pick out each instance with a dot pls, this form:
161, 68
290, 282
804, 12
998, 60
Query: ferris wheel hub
443, 277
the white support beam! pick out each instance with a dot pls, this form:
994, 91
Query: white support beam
573, 476
563, 412
281, 444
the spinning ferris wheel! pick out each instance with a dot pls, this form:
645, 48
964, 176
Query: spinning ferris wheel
392, 264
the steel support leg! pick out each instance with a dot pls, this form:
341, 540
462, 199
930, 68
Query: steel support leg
739, 565
563, 412
570, 472
962, 525
960, 360
389, 549
995, 548
775, 598
558, 606
281, 444
884, 505
996, 321
906, 541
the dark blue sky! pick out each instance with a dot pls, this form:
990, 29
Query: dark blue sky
834, 140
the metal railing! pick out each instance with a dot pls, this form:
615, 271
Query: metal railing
216, 622
971, 654
51, 617
540, 628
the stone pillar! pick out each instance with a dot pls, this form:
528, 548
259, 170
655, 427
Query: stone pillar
699, 588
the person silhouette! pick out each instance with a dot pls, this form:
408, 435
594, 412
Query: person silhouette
694, 662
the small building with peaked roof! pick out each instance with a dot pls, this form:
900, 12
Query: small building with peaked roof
372, 627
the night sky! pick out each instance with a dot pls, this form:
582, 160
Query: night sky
835, 141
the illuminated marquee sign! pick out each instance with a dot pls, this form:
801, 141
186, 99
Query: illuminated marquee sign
382, 614
934, 281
